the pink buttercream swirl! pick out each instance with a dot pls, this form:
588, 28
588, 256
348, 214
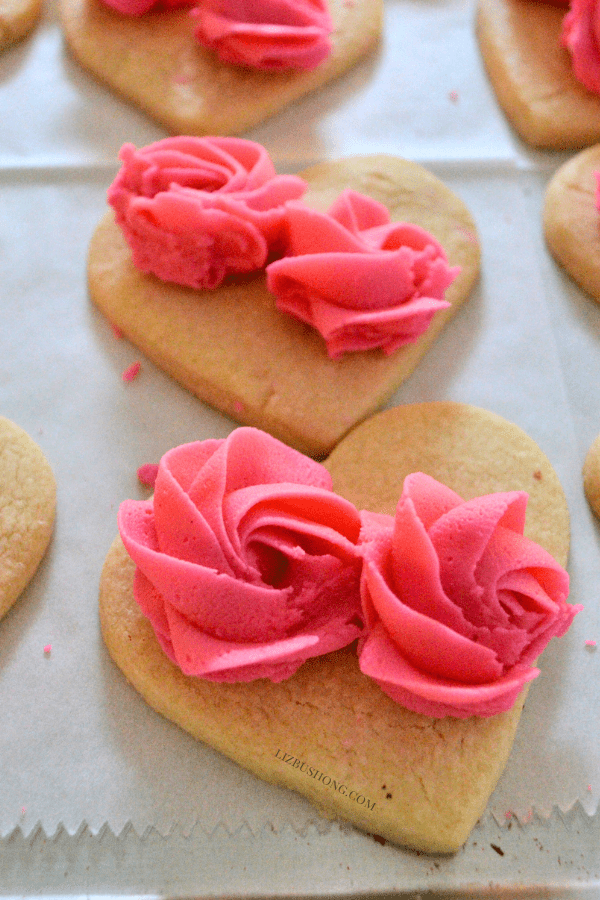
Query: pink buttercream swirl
194, 210
360, 280
581, 36
266, 34
457, 602
247, 561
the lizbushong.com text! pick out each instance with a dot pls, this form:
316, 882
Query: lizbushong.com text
311, 772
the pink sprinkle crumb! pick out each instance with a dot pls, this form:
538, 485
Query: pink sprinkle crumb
23, 810
238, 407
589, 787
453, 95
528, 816
132, 372
508, 814
116, 331
590, 643
48, 649
147, 474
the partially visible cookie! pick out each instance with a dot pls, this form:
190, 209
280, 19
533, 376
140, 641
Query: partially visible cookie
532, 74
27, 505
155, 62
234, 349
328, 731
572, 220
17, 18
591, 476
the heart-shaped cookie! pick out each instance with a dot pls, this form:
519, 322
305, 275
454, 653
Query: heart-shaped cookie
17, 19
155, 62
572, 220
412, 779
234, 349
532, 74
27, 504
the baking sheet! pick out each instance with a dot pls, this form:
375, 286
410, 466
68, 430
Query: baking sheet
98, 794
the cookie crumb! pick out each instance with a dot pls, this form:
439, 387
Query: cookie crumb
537, 475
591, 644
48, 649
147, 474
453, 96
132, 372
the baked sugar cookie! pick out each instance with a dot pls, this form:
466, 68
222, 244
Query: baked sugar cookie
328, 731
572, 220
234, 349
532, 74
591, 476
27, 504
17, 19
155, 62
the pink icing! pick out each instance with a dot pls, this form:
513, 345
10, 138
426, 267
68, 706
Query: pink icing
581, 36
141, 7
457, 602
194, 210
266, 34
362, 281
247, 563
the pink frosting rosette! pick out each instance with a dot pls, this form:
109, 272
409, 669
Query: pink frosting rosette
360, 280
458, 604
194, 210
266, 34
246, 560
581, 36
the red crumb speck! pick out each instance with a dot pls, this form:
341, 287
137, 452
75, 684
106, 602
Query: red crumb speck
48, 649
590, 643
147, 474
116, 331
132, 372
23, 810
238, 407
589, 787
453, 95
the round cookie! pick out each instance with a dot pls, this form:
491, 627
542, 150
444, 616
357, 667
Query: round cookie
591, 476
234, 349
329, 715
155, 62
532, 74
17, 18
27, 506
572, 220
